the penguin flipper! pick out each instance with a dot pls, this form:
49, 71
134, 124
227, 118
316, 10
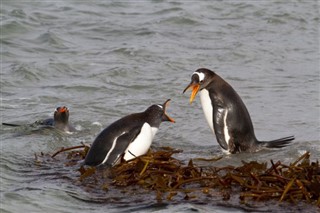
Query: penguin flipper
46, 122
123, 142
219, 127
9, 124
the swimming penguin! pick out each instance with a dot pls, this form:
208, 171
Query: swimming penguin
59, 121
227, 115
128, 137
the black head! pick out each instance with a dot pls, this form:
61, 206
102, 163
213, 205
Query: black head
61, 115
157, 114
200, 79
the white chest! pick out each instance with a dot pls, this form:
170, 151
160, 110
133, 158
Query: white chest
207, 107
142, 143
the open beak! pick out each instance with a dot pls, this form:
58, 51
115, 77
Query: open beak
167, 117
195, 89
62, 109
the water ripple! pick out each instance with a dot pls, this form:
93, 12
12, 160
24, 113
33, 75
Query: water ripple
108, 59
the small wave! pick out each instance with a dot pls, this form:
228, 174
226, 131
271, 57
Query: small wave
13, 27
181, 21
26, 72
51, 39
168, 10
96, 123
19, 13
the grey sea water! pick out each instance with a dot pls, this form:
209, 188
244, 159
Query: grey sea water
107, 59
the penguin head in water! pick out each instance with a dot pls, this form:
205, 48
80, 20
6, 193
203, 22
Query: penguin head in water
61, 115
157, 114
200, 79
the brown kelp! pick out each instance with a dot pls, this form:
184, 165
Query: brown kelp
168, 177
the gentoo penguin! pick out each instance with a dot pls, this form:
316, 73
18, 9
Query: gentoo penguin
128, 137
59, 121
227, 115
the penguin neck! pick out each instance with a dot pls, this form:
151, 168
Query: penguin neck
207, 108
62, 121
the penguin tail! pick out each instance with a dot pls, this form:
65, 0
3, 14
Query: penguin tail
9, 124
279, 143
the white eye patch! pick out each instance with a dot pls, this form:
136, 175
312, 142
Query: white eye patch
201, 75
160, 106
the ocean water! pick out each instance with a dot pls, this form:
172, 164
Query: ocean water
106, 59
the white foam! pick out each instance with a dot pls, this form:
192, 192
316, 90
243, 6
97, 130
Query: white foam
96, 123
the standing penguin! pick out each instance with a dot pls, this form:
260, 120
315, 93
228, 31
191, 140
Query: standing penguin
227, 115
128, 137
59, 121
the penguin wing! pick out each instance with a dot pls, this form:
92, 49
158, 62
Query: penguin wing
10, 124
220, 127
122, 144
46, 122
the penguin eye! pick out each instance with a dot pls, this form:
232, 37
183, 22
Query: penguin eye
201, 82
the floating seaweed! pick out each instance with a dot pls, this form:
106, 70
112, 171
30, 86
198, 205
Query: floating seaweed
168, 177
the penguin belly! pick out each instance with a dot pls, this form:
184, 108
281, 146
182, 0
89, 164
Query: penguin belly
207, 107
141, 143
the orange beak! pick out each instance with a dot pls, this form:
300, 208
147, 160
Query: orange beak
62, 109
195, 89
165, 105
